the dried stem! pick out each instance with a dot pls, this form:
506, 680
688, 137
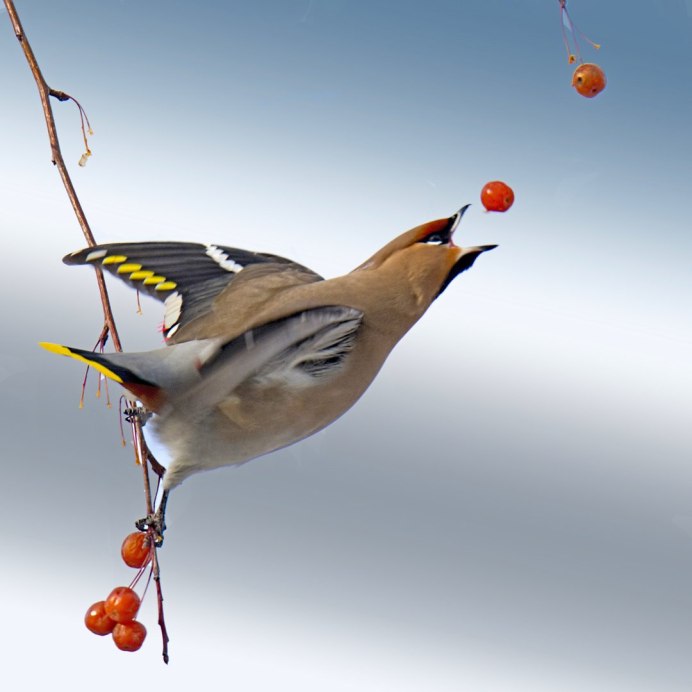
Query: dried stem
141, 454
159, 599
109, 328
146, 456
45, 92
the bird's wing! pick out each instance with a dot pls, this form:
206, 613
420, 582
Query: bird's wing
299, 350
186, 277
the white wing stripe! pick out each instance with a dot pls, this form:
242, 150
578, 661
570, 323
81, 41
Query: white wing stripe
173, 308
223, 260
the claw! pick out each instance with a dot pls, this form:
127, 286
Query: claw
153, 522
156, 521
138, 413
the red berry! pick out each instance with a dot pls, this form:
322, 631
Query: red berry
136, 549
589, 80
97, 621
497, 196
122, 604
129, 636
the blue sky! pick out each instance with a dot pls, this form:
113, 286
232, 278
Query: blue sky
510, 505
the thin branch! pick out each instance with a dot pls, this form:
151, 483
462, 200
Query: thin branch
159, 599
45, 93
141, 453
109, 328
145, 456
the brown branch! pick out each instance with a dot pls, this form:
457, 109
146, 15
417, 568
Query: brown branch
159, 599
109, 328
146, 456
45, 92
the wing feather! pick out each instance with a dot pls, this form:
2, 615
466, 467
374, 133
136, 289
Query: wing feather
309, 344
187, 277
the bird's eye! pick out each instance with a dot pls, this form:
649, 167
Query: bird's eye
434, 239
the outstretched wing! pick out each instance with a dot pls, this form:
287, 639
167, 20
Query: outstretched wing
186, 277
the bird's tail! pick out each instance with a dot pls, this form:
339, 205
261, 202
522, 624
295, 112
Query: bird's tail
119, 367
197, 375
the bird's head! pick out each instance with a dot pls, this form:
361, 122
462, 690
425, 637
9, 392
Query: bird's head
426, 257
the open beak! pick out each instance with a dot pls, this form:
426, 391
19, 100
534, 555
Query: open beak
467, 256
455, 221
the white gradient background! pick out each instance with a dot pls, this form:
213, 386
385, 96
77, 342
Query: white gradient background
510, 505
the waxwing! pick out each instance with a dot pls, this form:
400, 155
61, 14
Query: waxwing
260, 351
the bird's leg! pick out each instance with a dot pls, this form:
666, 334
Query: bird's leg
155, 521
156, 467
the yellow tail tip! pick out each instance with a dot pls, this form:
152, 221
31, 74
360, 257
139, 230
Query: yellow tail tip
64, 351
55, 348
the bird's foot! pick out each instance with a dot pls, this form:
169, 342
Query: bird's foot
138, 413
156, 523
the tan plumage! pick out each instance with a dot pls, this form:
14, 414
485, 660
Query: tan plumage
263, 352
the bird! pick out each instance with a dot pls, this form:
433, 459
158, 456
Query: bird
261, 352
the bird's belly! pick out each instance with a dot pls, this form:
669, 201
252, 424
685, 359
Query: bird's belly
256, 419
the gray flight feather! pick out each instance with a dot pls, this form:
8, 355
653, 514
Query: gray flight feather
308, 344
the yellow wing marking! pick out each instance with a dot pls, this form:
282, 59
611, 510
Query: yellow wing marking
128, 268
139, 275
114, 259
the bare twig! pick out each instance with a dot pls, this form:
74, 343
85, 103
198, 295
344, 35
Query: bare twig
45, 93
109, 328
159, 599
145, 456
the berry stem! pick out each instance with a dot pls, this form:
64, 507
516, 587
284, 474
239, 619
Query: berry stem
155, 568
144, 457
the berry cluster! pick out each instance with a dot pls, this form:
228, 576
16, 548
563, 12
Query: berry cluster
116, 615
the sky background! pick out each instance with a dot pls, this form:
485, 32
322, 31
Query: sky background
509, 507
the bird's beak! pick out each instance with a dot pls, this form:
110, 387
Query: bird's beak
470, 253
468, 256
456, 220
465, 256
